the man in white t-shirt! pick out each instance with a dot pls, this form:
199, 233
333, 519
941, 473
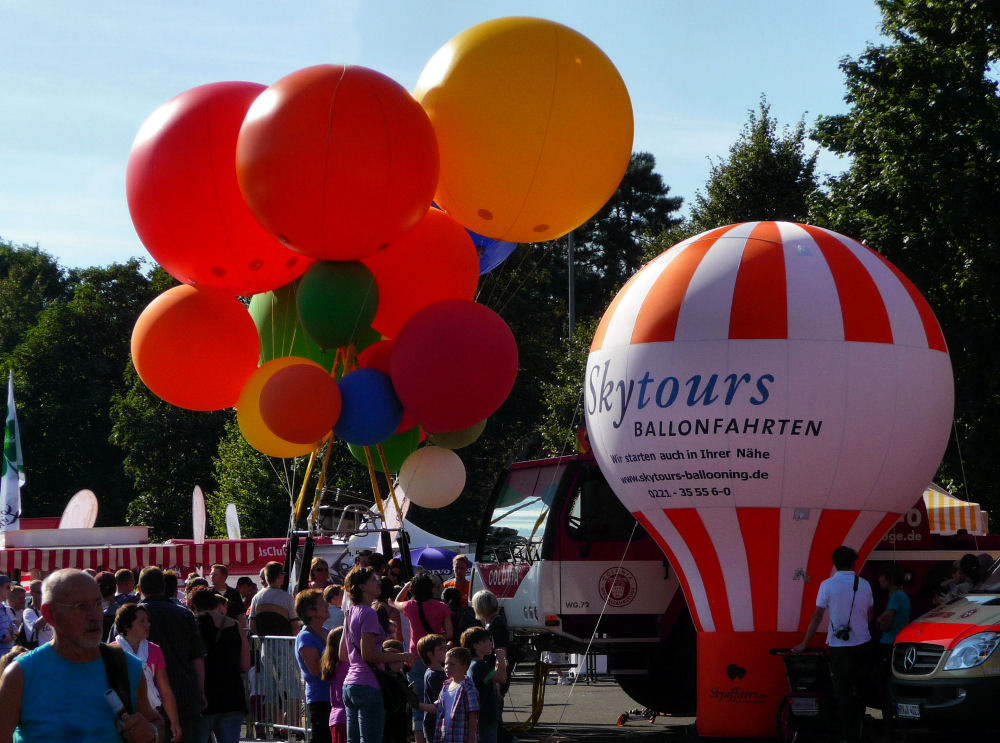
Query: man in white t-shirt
847, 598
273, 599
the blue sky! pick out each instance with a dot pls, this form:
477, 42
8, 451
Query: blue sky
78, 79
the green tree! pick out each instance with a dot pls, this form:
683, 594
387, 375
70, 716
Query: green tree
767, 176
923, 135
252, 481
67, 368
609, 247
30, 281
265, 489
166, 452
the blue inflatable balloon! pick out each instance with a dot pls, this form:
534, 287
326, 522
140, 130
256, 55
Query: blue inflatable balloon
491, 252
370, 412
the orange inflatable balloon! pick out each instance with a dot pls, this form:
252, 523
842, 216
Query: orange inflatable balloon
195, 348
249, 419
534, 125
185, 202
435, 260
300, 403
337, 161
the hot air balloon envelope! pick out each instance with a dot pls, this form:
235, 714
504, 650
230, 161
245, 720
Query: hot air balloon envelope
757, 396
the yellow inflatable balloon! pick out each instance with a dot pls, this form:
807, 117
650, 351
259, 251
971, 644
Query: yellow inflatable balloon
248, 416
534, 127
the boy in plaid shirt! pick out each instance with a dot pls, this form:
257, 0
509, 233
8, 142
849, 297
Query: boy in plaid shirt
457, 706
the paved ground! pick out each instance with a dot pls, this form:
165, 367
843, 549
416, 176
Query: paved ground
589, 713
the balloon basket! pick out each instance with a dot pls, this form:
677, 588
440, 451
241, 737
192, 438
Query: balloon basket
740, 684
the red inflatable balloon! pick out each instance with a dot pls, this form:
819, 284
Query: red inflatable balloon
435, 260
378, 356
185, 202
195, 348
300, 403
453, 364
337, 161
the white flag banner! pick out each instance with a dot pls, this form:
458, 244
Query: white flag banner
13, 466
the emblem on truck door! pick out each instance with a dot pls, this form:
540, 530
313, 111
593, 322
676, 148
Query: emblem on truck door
617, 587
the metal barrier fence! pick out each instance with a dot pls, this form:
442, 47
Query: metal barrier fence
277, 692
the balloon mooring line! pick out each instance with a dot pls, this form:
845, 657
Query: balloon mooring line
593, 634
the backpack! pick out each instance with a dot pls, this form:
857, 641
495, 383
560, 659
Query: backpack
22, 638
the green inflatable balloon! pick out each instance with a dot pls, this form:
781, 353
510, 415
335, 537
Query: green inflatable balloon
397, 448
280, 331
336, 301
458, 439
367, 337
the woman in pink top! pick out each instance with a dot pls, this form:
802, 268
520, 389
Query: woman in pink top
427, 616
132, 635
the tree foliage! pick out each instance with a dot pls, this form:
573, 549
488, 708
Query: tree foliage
923, 133
166, 452
609, 247
67, 367
767, 176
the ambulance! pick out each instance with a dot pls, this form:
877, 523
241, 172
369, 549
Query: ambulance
946, 665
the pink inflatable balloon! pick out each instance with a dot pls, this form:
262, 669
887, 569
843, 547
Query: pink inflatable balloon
757, 396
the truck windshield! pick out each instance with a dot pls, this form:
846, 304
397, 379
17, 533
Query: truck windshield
525, 499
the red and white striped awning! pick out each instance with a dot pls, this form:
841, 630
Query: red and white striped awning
134, 557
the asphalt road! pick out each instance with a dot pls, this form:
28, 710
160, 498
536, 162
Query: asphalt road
589, 713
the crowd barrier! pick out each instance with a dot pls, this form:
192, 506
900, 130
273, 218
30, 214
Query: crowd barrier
277, 692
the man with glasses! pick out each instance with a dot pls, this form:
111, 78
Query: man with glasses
57, 691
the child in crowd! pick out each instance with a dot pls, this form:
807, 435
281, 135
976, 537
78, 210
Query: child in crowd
462, 616
432, 649
334, 669
487, 679
457, 706
397, 721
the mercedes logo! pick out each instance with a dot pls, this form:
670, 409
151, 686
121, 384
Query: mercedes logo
910, 659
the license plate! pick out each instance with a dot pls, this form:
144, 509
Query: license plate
910, 711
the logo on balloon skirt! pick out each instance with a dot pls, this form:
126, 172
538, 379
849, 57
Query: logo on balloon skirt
617, 587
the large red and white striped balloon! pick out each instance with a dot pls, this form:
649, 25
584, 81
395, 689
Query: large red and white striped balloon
758, 395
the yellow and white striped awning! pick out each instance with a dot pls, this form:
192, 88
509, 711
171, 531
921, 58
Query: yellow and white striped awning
947, 514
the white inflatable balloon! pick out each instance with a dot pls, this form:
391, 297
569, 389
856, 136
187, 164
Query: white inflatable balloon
757, 396
432, 477
80, 512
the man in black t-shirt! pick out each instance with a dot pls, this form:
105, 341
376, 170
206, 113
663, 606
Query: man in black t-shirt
234, 599
173, 628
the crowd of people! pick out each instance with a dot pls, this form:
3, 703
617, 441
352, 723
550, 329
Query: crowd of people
102, 657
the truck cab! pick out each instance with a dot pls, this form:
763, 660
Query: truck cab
575, 572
